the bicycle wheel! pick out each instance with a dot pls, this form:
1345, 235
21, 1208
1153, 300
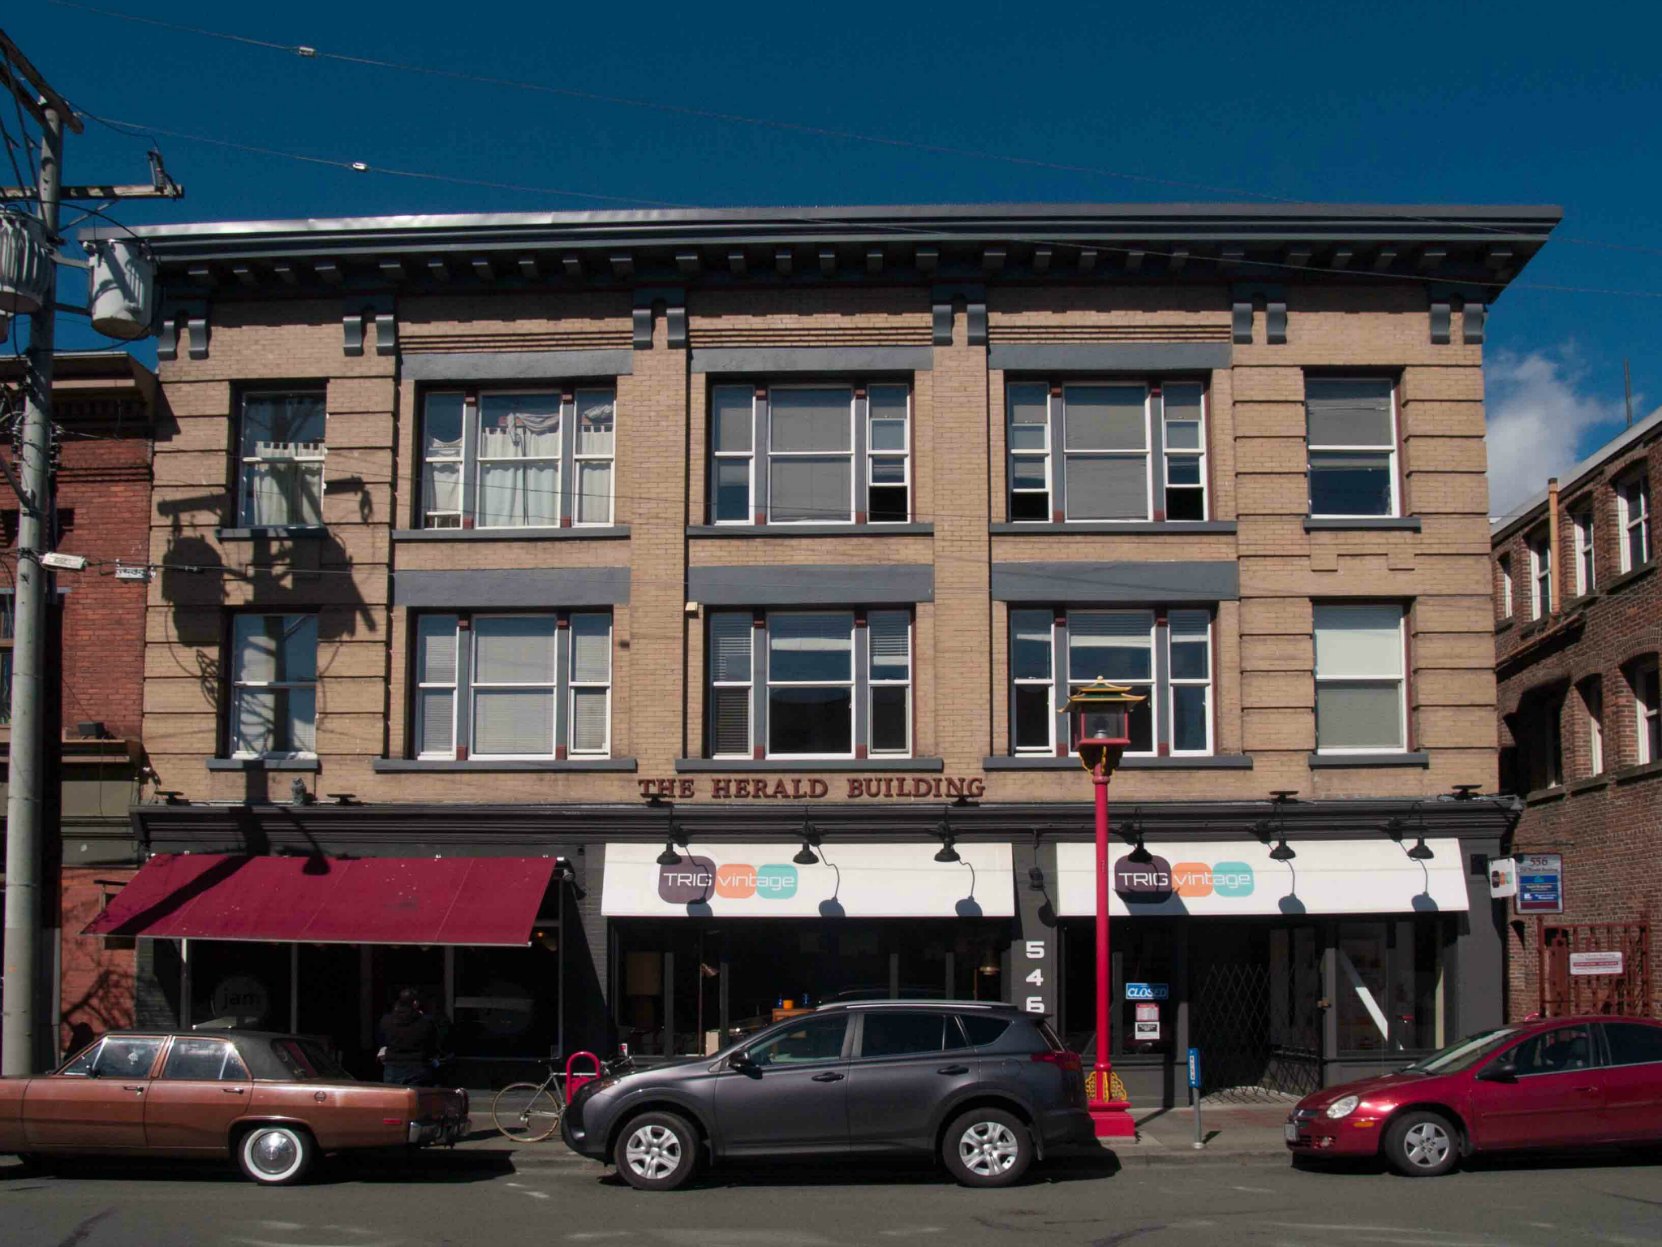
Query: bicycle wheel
527, 1112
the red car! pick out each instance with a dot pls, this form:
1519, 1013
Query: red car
1558, 1083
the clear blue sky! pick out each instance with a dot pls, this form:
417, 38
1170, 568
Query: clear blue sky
1523, 102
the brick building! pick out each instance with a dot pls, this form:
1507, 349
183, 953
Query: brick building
1578, 626
103, 410
631, 626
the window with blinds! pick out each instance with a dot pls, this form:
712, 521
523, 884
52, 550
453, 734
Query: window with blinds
1117, 646
521, 686
1350, 429
273, 711
1360, 690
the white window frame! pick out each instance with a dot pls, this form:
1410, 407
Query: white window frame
852, 684
873, 683
299, 453
1540, 575
420, 685
552, 685
458, 457
1146, 453
1506, 603
1012, 453
1047, 682
1312, 448
748, 455
1592, 704
1581, 531
1400, 679
1149, 688
853, 444
1646, 714
1174, 681
748, 684
904, 454
238, 686
573, 685
1633, 508
579, 458
1200, 456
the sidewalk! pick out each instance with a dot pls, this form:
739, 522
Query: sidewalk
1234, 1135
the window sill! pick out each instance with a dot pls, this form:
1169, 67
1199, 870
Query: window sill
592, 532
1505, 625
810, 530
1343, 761
286, 532
1160, 528
744, 766
1627, 578
1197, 762
1543, 796
1590, 784
400, 766
1376, 523
264, 764
1628, 775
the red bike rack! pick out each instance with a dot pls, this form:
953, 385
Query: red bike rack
575, 1080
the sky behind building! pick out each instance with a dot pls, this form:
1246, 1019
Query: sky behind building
983, 102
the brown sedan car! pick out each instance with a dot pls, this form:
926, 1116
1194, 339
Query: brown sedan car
274, 1102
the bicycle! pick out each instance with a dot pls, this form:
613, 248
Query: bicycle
529, 1112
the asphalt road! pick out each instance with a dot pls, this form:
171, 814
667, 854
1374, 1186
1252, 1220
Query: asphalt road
466, 1199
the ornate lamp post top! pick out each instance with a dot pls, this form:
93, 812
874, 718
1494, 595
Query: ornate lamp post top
1099, 722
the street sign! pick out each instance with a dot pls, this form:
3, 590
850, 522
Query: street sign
1596, 962
1503, 878
1194, 1068
1147, 991
1540, 883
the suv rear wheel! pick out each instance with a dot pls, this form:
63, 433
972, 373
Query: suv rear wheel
656, 1152
987, 1147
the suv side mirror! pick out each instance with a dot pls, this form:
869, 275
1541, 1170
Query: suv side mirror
1499, 1071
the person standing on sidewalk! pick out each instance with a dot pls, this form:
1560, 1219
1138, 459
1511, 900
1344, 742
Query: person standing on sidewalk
410, 1041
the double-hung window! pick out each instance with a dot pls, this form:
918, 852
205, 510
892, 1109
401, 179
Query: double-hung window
1592, 705
810, 454
1166, 658
1106, 451
1633, 510
280, 481
512, 686
810, 684
1540, 575
273, 709
518, 458
1506, 586
1352, 439
1647, 710
1361, 700
1581, 527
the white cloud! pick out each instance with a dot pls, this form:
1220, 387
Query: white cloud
1538, 417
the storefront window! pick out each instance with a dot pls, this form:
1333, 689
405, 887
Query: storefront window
1390, 987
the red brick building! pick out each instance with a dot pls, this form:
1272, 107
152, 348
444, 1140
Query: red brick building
103, 410
1578, 628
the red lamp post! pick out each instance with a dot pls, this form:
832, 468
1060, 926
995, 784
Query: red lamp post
1099, 718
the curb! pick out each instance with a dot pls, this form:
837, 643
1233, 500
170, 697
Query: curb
1128, 1157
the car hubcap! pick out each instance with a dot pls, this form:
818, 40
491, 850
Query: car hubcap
274, 1152
1426, 1144
988, 1148
653, 1151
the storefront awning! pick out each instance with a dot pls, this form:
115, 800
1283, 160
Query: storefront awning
326, 900
1215, 878
849, 881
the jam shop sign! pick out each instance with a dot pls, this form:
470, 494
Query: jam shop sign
694, 880
813, 788
1155, 879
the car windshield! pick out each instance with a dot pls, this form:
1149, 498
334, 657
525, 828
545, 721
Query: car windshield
307, 1059
1465, 1054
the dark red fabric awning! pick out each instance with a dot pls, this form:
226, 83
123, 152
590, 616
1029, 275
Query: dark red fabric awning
326, 900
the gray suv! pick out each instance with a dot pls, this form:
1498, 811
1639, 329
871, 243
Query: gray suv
983, 1086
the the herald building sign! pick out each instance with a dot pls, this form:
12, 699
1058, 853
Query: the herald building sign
813, 788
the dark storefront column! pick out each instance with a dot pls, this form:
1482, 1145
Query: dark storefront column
1036, 932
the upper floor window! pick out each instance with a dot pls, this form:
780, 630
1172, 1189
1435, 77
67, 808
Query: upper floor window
518, 459
1647, 710
1540, 575
1106, 451
280, 480
810, 454
1592, 705
1581, 533
811, 684
273, 710
1361, 703
1176, 713
1506, 606
1633, 511
1352, 437
512, 686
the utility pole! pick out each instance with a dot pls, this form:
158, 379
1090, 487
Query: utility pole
27, 1041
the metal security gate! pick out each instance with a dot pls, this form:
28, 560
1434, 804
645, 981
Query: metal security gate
1610, 990
1245, 1058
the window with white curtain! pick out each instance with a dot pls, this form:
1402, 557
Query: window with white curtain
1360, 685
518, 458
529, 686
273, 710
1633, 510
282, 453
